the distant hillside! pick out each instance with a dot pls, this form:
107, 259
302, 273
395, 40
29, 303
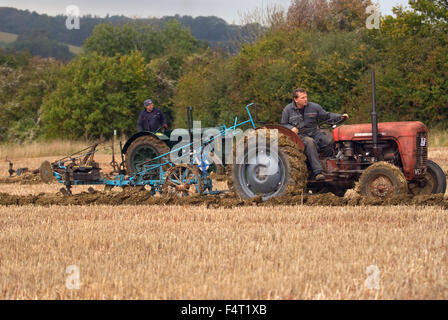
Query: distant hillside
214, 30
6, 39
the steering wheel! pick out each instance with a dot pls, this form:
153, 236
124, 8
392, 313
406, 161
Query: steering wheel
332, 122
162, 129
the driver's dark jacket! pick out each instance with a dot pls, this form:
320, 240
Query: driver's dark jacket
151, 121
307, 124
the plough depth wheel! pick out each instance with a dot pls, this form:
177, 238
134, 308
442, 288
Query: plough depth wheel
183, 180
46, 172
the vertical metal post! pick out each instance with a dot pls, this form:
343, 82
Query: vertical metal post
114, 163
374, 118
190, 130
113, 143
256, 113
122, 165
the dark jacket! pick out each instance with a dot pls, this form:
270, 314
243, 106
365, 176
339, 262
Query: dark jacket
307, 124
151, 121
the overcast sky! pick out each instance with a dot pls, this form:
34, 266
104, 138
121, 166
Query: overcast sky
229, 10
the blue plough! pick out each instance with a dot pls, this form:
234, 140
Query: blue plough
159, 174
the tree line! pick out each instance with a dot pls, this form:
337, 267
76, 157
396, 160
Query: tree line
323, 46
212, 30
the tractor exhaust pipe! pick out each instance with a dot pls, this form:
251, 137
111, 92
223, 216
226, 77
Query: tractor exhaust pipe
374, 119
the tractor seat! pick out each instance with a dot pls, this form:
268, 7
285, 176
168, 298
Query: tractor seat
324, 153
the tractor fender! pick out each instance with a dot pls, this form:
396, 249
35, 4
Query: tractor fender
287, 132
159, 136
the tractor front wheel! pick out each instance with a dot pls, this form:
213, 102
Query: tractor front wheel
434, 181
382, 180
143, 149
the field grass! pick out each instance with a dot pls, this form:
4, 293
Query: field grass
8, 37
438, 138
52, 148
74, 49
249, 253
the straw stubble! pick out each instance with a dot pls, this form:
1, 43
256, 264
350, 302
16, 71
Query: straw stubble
174, 252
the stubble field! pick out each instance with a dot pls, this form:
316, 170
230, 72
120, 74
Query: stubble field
195, 252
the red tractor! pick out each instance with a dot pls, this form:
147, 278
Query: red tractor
379, 159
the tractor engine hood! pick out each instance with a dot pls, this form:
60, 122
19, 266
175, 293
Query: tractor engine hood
385, 129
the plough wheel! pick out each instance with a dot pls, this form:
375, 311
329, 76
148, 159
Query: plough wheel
46, 172
183, 180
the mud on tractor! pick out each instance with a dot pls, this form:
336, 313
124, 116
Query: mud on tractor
378, 159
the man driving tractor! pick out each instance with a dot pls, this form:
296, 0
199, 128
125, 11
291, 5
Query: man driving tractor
151, 119
301, 117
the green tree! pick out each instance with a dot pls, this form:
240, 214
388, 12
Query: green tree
97, 95
24, 81
434, 10
152, 41
109, 40
14, 60
206, 85
165, 48
411, 59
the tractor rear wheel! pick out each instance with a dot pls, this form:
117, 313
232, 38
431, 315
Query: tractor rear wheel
268, 171
434, 181
143, 149
382, 180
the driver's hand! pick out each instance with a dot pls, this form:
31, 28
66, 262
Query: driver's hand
295, 130
346, 116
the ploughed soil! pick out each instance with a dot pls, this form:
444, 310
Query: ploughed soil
27, 178
134, 196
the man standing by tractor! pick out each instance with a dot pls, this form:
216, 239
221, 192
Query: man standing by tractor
301, 117
151, 119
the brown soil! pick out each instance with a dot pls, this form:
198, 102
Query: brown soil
135, 197
27, 178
